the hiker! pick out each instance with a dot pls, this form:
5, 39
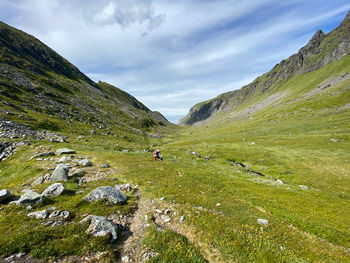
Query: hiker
157, 156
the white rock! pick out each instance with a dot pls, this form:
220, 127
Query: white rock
218, 204
38, 214
303, 187
182, 218
263, 221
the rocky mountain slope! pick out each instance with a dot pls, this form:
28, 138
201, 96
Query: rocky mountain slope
42, 90
319, 52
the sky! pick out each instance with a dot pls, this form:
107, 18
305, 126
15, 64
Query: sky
171, 54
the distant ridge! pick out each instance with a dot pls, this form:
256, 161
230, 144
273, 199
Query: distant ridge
321, 50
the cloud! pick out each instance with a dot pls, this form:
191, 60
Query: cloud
173, 54
124, 13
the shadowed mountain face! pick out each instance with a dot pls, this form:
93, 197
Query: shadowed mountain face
41, 89
319, 52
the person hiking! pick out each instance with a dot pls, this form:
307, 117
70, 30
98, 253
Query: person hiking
157, 156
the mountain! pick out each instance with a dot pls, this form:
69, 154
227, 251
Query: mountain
321, 50
42, 90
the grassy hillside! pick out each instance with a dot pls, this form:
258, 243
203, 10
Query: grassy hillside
42, 90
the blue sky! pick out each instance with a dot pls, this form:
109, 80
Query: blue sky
173, 54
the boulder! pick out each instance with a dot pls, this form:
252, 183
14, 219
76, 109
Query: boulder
65, 151
45, 154
5, 195
109, 193
30, 198
124, 187
39, 214
85, 163
54, 190
100, 226
60, 173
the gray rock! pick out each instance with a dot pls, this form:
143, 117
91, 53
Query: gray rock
39, 214
5, 195
65, 151
62, 159
54, 190
85, 163
182, 218
124, 187
334, 140
105, 165
262, 221
60, 214
40, 180
109, 193
30, 198
45, 154
58, 139
60, 173
100, 226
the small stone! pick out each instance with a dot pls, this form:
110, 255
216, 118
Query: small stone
45, 154
85, 163
124, 187
158, 211
167, 211
105, 165
62, 159
125, 259
303, 187
279, 181
281, 247
52, 208
182, 218
166, 219
20, 255
218, 204
65, 151
59, 214
334, 140
263, 221
146, 217
162, 198
40, 180
39, 214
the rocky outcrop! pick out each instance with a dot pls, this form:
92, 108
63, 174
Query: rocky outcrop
108, 193
321, 50
6, 150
